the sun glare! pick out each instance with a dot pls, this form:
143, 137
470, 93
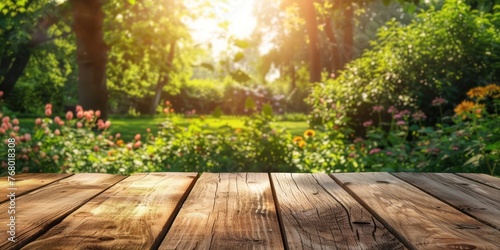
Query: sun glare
239, 17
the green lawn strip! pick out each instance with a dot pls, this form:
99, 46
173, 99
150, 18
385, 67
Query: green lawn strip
129, 127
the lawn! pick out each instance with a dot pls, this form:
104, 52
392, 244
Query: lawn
130, 126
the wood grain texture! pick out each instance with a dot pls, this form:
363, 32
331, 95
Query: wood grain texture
417, 219
483, 178
133, 214
227, 211
477, 200
40, 209
318, 214
24, 183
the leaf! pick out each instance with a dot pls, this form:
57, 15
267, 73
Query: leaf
474, 160
238, 57
493, 146
267, 110
207, 66
409, 8
240, 76
131, 1
241, 43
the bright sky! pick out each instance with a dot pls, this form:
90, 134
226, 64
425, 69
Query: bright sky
238, 13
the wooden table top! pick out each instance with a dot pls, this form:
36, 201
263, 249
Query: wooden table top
251, 210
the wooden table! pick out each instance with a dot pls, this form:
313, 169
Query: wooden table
252, 210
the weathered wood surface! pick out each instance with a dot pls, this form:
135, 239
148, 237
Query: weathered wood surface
483, 178
479, 201
417, 219
133, 214
41, 209
255, 210
227, 211
24, 183
318, 214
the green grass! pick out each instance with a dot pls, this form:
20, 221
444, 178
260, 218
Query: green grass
128, 127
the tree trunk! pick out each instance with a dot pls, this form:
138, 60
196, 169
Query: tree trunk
15, 71
336, 56
12, 67
91, 55
162, 80
309, 14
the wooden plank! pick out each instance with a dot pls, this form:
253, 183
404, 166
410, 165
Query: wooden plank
417, 219
133, 214
317, 213
40, 209
24, 183
227, 211
477, 200
483, 178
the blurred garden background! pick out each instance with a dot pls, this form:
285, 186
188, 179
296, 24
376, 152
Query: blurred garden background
124, 86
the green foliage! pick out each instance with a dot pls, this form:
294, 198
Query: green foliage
217, 112
441, 53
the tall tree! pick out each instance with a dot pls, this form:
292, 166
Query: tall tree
91, 55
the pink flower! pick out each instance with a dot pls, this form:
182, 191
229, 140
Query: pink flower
69, 115
107, 124
55, 157
48, 112
454, 148
392, 110
6, 119
137, 144
419, 115
15, 122
1, 94
352, 155
165, 110
129, 146
61, 123
358, 139
374, 151
438, 101
401, 123
398, 116
87, 115
16, 128
96, 148
137, 137
79, 114
79, 125
332, 75
48, 106
78, 108
118, 135
57, 119
148, 130
110, 137
98, 113
27, 137
378, 108
57, 132
368, 123
2, 131
100, 124
389, 153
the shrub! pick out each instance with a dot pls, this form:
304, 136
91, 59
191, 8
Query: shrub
442, 53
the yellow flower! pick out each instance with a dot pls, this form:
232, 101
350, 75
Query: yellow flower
492, 90
302, 144
309, 133
119, 143
466, 107
479, 92
297, 139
